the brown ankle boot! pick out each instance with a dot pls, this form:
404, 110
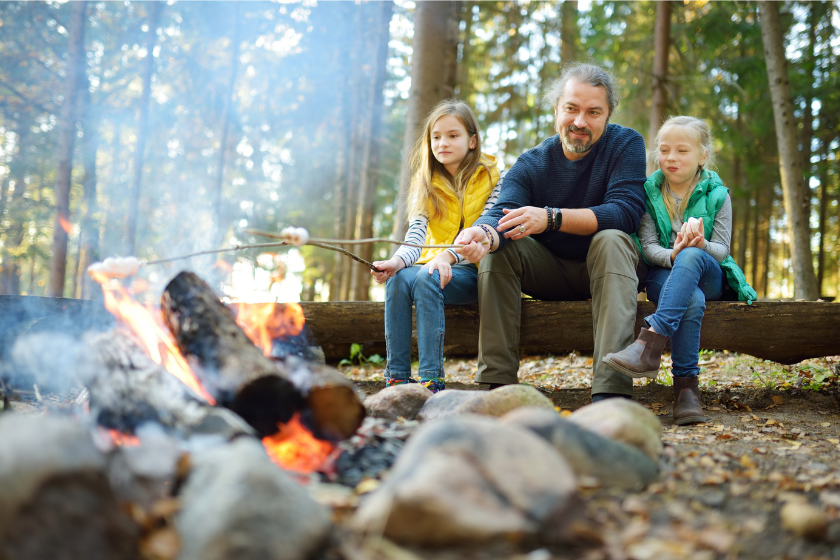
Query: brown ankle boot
688, 408
640, 359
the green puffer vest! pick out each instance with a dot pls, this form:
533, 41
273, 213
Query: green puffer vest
705, 202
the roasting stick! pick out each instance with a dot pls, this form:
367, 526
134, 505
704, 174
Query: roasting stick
122, 267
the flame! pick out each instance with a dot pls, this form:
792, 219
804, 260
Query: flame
65, 224
120, 438
263, 322
294, 448
154, 337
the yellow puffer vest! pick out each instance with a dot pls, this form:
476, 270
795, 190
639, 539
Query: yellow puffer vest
445, 228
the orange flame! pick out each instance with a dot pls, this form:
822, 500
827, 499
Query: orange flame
65, 224
263, 322
155, 338
121, 439
294, 448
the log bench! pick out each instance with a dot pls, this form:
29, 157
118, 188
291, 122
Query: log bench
783, 331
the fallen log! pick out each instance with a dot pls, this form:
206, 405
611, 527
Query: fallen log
785, 332
263, 391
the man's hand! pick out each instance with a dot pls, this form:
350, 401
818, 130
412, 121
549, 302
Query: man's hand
522, 222
476, 243
443, 264
388, 268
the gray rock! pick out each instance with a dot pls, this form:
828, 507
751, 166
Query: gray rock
623, 420
472, 480
613, 463
238, 504
398, 401
497, 402
444, 404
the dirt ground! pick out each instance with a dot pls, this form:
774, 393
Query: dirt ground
773, 438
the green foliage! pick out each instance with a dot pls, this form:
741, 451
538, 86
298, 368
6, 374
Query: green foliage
358, 358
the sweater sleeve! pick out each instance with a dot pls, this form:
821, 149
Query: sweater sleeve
513, 192
624, 201
718, 245
416, 234
654, 252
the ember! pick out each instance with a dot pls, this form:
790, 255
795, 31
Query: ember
295, 448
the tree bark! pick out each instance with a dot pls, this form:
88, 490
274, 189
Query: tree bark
89, 234
433, 64
155, 9
796, 191
659, 99
570, 33
17, 212
67, 135
369, 173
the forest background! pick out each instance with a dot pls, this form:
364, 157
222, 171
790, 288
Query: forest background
159, 129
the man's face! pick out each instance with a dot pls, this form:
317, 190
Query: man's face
581, 116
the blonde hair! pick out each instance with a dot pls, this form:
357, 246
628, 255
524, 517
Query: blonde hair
424, 166
697, 131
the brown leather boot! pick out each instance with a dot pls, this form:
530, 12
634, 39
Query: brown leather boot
640, 359
688, 408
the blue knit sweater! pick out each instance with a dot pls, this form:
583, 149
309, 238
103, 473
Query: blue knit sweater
609, 180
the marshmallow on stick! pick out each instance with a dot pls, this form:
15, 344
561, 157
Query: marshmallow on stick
295, 236
116, 267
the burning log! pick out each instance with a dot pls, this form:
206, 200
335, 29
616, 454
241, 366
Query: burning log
128, 389
239, 375
55, 500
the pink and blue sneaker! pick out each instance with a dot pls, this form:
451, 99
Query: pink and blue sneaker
393, 381
434, 385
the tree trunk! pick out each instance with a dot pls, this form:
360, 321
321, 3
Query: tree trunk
220, 227
67, 135
89, 235
155, 9
17, 212
570, 33
824, 201
659, 99
369, 175
796, 191
433, 63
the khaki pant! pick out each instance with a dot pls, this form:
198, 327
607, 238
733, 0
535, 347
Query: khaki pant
608, 276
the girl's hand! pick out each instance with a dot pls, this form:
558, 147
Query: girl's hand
474, 238
694, 232
388, 268
443, 264
680, 244
522, 222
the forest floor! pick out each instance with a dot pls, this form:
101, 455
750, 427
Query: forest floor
772, 438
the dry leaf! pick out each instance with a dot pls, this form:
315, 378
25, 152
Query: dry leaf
778, 400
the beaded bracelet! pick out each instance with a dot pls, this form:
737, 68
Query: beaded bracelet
550, 223
486, 231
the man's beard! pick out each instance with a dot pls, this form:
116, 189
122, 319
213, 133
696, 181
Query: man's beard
576, 145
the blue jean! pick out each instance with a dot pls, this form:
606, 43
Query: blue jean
414, 285
680, 295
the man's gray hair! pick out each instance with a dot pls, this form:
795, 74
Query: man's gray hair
584, 73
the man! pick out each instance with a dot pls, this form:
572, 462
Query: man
569, 206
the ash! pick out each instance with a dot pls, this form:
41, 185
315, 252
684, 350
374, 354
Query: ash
371, 451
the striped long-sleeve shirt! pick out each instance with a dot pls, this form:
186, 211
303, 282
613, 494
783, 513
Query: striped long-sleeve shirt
418, 228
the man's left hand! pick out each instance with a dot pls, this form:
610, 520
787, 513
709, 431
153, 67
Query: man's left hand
522, 222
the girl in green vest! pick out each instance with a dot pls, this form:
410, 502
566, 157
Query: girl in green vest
684, 236
452, 184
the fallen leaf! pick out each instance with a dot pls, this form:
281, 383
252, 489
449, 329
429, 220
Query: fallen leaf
746, 462
778, 400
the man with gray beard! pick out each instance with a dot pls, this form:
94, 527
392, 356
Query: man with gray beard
569, 205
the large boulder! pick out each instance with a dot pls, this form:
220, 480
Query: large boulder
238, 504
399, 401
473, 480
613, 463
623, 420
497, 402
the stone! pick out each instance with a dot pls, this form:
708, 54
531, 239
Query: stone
613, 463
804, 520
399, 401
238, 504
473, 480
497, 402
623, 420
444, 404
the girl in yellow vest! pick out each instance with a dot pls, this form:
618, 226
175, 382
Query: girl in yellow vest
684, 236
452, 184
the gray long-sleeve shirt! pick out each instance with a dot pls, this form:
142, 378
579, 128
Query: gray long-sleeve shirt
717, 246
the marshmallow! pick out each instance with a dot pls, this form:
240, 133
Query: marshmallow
295, 236
116, 267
